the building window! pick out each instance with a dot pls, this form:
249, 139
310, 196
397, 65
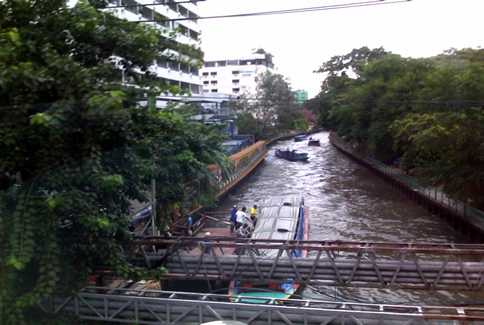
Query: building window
213, 82
162, 63
161, 20
193, 35
214, 90
173, 6
232, 62
184, 68
205, 74
173, 65
235, 90
235, 82
146, 13
209, 64
205, 83
131, 5
213, 74
235, 73
185, 86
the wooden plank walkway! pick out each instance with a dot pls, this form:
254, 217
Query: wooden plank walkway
216, 232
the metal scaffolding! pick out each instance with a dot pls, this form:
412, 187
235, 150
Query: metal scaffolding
333, 263
168, 307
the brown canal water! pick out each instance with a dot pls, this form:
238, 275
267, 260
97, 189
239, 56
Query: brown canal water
347, 202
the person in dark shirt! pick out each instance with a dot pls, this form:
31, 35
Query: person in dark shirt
233, 218
189, 226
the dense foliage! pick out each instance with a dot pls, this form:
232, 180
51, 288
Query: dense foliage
76, 148
426, 112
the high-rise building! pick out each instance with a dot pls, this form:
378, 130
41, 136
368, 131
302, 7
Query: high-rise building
300, 96
164, 14
235, 76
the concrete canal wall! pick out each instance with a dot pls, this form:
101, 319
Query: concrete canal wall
465, 219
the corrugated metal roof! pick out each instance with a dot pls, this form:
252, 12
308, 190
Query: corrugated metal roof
277, 219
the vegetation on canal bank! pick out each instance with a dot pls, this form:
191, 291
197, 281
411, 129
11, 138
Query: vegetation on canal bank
272, 110
76, 147
425, 115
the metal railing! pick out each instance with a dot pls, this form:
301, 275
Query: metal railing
334, 263
169, 307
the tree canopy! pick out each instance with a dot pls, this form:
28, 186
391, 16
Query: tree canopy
272, 108
429, 112
77, 148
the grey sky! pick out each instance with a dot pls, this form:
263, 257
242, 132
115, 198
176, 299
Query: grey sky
301, 42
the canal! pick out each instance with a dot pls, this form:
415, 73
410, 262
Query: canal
347, 202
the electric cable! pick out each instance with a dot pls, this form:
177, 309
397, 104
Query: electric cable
286, 11
152, 4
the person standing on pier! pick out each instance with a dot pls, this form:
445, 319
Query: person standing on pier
249, 223
240, 217
189, 227
233, 218
253, 214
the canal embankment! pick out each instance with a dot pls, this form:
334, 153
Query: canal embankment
464, 218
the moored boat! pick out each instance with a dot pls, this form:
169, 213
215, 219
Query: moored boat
284, 217
292, 155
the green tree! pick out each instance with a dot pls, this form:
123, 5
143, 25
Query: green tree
271, 105
77, 148
443, 144
268, 56
426, 110
446, 150
340, 72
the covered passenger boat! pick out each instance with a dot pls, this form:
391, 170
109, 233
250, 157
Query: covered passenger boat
292, 155
313, 142
282, 217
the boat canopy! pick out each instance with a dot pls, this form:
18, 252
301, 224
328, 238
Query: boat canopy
278, 219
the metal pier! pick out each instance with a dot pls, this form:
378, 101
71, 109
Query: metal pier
167, 307
335, 263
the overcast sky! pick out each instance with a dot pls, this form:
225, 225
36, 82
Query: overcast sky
302, 42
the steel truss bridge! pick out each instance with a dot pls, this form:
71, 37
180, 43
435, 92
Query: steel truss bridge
331, 263
168, 307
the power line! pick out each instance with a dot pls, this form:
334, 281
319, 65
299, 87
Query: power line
152, 4
287, 11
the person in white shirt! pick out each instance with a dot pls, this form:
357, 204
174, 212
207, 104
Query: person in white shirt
249, 223
240, 217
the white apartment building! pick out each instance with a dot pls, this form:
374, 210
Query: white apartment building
235, 76
159, 13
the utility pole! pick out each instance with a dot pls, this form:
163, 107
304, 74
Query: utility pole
153, 199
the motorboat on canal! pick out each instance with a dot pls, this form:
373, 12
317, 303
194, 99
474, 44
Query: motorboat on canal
281, 217
300, 137
292, 155
314, 142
